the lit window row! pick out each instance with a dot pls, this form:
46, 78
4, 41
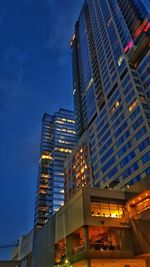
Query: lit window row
115, 106
64, 142
107, 210
120, 60
66, 130
60, 122
44, 176
133, 105
89, 84
46, 157
66, 120
66, 150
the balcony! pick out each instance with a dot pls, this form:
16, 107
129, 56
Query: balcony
100, 251
99, 242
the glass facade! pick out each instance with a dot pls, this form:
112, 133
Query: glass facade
110, 52
58, 137
107, 210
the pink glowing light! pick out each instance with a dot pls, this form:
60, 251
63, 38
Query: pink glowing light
147, 27
128, 46
138, 31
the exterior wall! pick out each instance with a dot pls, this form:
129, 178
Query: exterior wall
140, 230
70, 217
140, 186
25, 246
23, 253
15, 253
9, 264
78, 168
44, 245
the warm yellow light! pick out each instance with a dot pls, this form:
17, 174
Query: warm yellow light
63, 142
66, 130
82, 170
46, 156
65, 150
60, 122
133, 105
66, 261
115, 106
89, 84
44, 176
62, 191
120, 60
74, 36
71, 121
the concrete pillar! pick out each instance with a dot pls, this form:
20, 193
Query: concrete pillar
69, 246
86, 237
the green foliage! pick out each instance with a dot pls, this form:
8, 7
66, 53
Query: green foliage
63, 265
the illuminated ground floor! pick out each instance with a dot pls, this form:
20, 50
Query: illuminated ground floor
111, 263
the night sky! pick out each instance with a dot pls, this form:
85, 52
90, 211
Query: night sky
35, 77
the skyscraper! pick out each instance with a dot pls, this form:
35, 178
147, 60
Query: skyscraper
78, 168
111, 88
58, 137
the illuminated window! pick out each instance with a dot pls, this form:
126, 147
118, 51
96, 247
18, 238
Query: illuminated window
42, 191
44, 176
89, 84
138, 31
66, 130
60, 122
110, 20
62, 191
46, 157
133, 105
128, 46
142, 206
66, 120
43, 208
141, 203
107, 210
71, 121
115, 106
65, 150
63, 142
147, 27
120, 60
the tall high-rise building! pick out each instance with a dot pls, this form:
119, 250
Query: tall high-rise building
78, 167
111, 88
58, 137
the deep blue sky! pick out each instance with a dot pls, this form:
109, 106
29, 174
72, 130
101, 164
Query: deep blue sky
35, 77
